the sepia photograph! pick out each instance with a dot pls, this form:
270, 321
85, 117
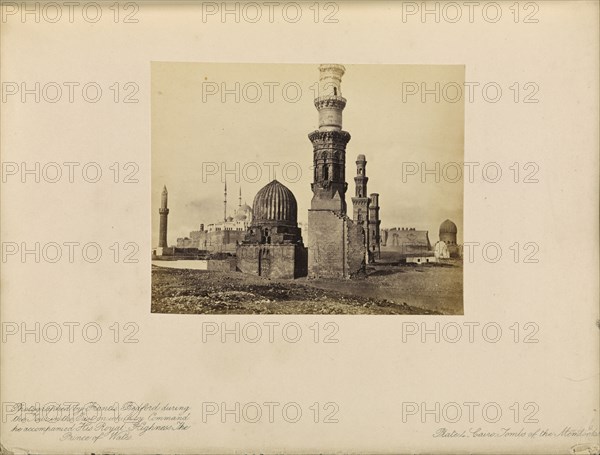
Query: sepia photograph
274, 192
300, 227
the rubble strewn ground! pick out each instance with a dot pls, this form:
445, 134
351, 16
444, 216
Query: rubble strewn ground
388, 289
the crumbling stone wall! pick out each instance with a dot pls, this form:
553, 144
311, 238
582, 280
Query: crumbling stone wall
355, 249
336, 246
325, 244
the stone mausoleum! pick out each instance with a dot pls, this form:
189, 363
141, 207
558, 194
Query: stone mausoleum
448, 233
273, 245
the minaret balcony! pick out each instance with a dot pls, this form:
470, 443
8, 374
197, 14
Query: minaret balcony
323, 138
338, 102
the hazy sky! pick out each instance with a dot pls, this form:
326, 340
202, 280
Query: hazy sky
195, 128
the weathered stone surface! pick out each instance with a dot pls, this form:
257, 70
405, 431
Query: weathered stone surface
278, 261
355, 249
336, 246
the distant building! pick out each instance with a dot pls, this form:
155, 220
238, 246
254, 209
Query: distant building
440, 250
222, 236
422, 259
273, 245
448, 232
405, 241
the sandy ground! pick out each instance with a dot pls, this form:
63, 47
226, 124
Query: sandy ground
388, 289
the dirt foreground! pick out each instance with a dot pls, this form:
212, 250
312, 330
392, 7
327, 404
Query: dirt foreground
386, 290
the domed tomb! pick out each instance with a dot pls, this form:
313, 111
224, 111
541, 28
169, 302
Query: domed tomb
275, 204
448, 227
448, 231
273, 245
274, 216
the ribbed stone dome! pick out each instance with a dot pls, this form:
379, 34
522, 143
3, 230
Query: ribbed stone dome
275, 204
448, 227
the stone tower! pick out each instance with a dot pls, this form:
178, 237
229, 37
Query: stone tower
360, 201
329, 143
225, 202
374, 240
164, 213
336, 246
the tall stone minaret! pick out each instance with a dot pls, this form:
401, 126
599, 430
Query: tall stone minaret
360, 202
164, 213
225, 203
336, 243
329, 143
374, 227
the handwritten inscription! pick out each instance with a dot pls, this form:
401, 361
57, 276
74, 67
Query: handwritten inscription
512, 432
93, 422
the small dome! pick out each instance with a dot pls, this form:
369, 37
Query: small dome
275, 204
243, 213
448, 227
361, 158
229, 218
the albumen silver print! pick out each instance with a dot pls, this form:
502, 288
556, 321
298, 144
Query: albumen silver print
334, 225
